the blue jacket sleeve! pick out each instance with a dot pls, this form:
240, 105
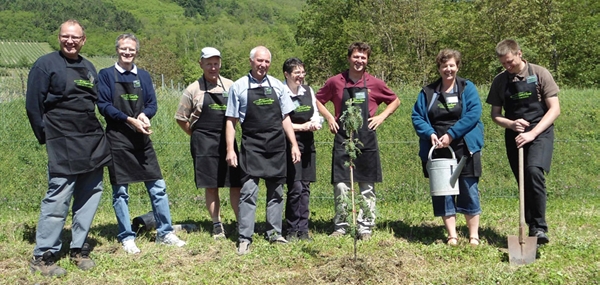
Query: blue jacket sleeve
419, 118
150, 104
471, 112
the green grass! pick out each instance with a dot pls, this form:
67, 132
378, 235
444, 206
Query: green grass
407, 247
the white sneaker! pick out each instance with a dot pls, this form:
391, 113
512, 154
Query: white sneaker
170, 239
130, 247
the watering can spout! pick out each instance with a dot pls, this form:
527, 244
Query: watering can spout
458, 170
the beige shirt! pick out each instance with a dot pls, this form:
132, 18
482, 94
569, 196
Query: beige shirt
190, 105
546, 86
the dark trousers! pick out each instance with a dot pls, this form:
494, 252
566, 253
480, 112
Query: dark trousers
535, 197
296, 207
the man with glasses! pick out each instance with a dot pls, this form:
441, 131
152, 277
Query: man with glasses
128, 102
60, 103
201, 114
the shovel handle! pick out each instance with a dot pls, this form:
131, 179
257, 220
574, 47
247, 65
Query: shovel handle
521, 197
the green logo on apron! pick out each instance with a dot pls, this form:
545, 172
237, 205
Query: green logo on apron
84, 83
520, 95
218, 107
136, 84
129, 97
450, 105
263, 101
302, 108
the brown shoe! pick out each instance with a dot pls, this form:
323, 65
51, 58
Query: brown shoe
46, 265
81, 257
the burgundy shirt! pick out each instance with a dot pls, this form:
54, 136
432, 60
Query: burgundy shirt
334, 89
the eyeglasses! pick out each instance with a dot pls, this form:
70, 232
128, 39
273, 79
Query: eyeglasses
127, 50
75, 39
298, 73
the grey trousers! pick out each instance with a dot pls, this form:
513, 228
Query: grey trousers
247, 214
365, 221
86, 190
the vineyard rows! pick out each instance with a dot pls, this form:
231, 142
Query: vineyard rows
24, 54
18, 53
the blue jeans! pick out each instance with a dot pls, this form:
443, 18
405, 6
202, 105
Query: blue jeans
86, 190
466, 202
160, 207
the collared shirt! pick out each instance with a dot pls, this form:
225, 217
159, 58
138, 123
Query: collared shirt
333, 91
237, 104
190, 105
302, 92
122, 70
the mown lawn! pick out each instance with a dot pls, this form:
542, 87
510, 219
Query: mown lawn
407, 247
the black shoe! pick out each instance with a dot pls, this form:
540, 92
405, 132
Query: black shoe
304, 236
542, 238
46, 265
81, 257
292, 236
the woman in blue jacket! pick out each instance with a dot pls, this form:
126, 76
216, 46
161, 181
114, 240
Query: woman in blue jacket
447, 113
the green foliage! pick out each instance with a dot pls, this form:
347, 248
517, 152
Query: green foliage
352, 121
42, 19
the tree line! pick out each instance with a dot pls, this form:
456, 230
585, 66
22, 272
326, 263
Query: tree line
405, 34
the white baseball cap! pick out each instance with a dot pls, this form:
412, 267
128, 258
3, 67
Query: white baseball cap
209, 52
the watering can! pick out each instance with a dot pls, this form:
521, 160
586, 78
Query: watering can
443, 174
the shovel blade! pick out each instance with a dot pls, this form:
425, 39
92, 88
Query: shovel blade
520, 254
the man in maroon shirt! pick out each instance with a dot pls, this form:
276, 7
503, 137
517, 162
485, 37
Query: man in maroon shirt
367, 92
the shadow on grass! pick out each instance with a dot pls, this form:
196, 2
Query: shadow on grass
430, 233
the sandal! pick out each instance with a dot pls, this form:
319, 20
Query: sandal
474, 241
453, 241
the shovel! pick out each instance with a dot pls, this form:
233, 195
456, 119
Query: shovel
521, 249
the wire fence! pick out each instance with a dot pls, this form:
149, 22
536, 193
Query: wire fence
575, 170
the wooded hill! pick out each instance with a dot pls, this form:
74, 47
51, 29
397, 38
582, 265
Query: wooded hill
405, 34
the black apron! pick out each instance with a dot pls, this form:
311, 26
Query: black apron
208, 146
305, 170
263, 150
75, 141
521, 100
367, 164
134, 159
443, 113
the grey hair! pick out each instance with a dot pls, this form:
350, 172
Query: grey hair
128, 36
254, 50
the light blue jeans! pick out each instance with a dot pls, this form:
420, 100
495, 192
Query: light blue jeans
157, 190
86, 190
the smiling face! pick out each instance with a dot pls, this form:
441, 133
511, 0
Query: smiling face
513, 63
71, 39
296, 77
260, 63
358, 61
127, 52
211, 67
448, 69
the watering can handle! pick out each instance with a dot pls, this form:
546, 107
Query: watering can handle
433, 147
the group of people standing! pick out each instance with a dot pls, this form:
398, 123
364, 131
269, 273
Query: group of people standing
277, 141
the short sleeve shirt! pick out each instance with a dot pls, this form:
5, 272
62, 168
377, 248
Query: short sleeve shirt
546, 87
190, 105
333, 90
237, 103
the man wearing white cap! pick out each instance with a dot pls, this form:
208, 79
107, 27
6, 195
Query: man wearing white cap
201, 114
